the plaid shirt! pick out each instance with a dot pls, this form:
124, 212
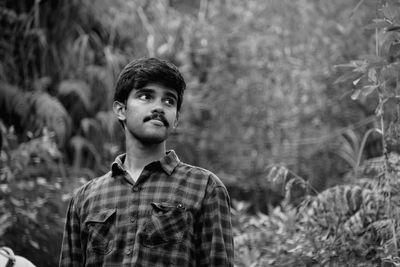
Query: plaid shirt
174, 215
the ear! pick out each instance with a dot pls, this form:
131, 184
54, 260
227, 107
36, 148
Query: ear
119, 110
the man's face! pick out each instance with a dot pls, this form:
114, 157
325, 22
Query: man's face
151, 113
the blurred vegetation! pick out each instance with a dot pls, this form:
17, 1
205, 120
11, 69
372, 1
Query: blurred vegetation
262, 111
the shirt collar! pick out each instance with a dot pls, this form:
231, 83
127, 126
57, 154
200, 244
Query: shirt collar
168, 163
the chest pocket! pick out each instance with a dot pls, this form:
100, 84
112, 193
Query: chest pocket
168, 224
101, 231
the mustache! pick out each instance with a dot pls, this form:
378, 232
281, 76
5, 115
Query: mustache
157, 116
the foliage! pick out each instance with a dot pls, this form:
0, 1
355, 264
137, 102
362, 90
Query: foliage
271, 240
33, 196
349, 225
260, 101
267, 75
379, 73
345, 225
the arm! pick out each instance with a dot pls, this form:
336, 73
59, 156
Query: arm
72, 253
216, 238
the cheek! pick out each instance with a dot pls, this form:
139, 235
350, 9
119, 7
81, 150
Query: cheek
172, 117
132, 115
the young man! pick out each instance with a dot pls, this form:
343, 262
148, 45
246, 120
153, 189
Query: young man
150, 209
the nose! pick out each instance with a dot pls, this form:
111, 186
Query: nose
158, 107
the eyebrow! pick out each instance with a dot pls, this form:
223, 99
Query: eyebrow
171, 94
146, 90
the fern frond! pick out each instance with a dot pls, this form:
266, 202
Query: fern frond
348, 208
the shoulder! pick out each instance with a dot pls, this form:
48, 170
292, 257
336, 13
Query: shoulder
92, 184
211, 180
92, 187
200, 173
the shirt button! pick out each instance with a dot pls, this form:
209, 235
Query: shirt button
135, 189
128, 251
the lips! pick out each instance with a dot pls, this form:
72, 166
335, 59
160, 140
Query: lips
158, 117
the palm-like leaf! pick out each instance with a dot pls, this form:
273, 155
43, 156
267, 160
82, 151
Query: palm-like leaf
31, 112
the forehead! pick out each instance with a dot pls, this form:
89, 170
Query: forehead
158, 88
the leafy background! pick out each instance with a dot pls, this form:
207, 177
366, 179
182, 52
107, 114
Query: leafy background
290, 103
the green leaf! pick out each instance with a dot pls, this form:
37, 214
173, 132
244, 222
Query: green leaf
389, 72
356, 94
356, 7
393, 28
368, 89
394, 52
378, 23
347, 77
375, 61
372, 75
352, 64
388, 39
387, 12
355, 82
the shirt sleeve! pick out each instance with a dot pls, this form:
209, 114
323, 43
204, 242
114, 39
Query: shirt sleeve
72, 251
216, 238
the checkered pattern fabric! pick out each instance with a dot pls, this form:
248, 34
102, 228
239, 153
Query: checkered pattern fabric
174, 215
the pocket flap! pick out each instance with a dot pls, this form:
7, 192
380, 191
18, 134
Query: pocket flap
165, 207
100, 216
161, 206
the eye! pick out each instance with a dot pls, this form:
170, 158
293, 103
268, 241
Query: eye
170, 101
144, 96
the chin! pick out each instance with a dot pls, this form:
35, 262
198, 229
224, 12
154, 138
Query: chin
153, 140
149, 137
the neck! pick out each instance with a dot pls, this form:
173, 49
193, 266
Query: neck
138, 155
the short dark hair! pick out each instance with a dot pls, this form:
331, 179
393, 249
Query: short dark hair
140, 72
